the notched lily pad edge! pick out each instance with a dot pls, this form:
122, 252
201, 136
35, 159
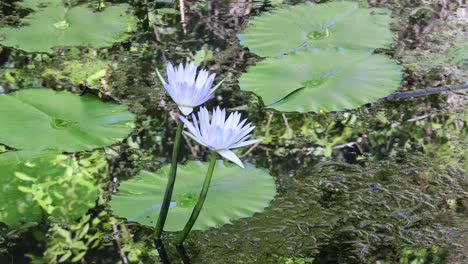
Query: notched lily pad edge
120, 36
4, 148
240, 214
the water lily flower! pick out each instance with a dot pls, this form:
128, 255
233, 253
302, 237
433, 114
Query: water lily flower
220, 134
186, 88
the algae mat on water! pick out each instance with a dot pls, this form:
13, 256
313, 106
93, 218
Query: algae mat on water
234, 193
37, 119
51, 24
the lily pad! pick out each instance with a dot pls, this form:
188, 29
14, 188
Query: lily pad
36, 184
51, 25
322, 80
330, 25
39, 4
36, 119
234, 193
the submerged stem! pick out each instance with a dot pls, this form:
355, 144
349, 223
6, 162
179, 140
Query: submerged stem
399, 95
170, 182
201, 200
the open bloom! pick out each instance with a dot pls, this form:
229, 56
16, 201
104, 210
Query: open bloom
186, 88
220, 134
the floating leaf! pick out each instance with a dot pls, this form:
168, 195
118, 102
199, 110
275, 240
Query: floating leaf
53, 25
326, 80
202, 55
36, 119
36, 184
234, 193
330, 25
39, 4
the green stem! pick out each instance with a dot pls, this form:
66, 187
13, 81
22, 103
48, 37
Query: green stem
201, 200
170, 182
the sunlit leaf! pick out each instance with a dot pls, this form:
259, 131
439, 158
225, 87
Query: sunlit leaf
328, 80
234, 193
51, 25
39, 4
329, 25
36, 119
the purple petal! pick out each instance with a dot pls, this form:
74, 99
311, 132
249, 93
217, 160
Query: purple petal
229, 155
246, 143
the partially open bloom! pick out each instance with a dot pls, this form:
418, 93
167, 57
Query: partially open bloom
186, 88
220, 134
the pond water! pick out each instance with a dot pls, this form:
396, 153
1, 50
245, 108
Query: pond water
384, 183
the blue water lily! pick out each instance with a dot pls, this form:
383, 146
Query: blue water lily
220, 134
186, 88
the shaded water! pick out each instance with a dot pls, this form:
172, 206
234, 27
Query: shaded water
386, 182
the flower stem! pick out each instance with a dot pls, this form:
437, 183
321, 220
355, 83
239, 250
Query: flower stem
201, 200
170, 182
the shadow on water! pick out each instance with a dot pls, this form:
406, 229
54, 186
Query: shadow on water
386, 182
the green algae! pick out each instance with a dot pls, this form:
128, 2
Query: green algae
345, 208
89, 71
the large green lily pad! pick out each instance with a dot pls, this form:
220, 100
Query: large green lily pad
35, 185
36, 119
329, 25
51, 24
322, 80
234, 193
39, 4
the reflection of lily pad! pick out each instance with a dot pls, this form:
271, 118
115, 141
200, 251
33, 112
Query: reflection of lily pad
326, 80
53, 25
234, 193
329, 25
32, 183
36, 119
